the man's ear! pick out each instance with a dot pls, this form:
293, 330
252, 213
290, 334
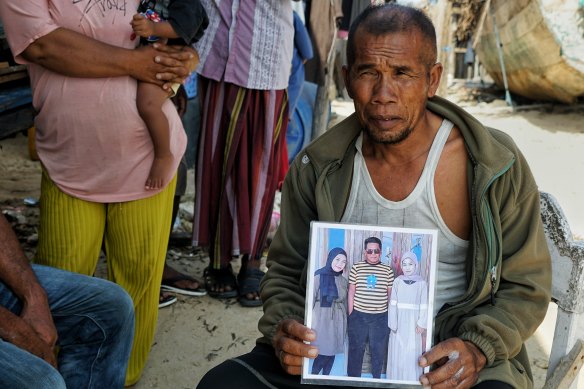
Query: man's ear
346, 78
435, 75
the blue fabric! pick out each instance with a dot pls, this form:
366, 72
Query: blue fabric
328, 286
95, 325
302, 51
191, 85
299, 132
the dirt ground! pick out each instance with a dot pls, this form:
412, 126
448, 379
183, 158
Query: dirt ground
197, 333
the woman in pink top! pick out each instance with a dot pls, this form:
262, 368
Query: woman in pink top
95, 149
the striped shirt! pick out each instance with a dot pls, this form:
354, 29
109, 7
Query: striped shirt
248, 43
371, 284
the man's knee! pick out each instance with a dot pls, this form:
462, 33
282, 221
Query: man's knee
37, 374
221, 376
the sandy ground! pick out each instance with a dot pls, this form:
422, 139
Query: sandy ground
197, 333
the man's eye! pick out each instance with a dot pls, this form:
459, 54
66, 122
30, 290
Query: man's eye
368, 73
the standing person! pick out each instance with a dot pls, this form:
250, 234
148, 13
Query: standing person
95, 149
176, 22
380, 166
89, 321
245, 64
330, 310
408, 317
370, 283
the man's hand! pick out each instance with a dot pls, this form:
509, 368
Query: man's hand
290, 347
142, 26
20, 333
39, 318
460, 363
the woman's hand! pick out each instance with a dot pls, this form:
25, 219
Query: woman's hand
180, 61
290, 347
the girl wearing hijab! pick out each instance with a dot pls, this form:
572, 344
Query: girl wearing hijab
408, 314
330, 310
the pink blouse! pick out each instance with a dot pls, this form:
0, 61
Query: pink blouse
90, 137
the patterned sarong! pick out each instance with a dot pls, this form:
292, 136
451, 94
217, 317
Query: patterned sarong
238, 168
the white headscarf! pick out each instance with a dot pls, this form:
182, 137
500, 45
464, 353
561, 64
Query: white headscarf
415, 276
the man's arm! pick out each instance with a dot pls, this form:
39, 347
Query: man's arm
351, 298
283, 288
76, 55
34, 329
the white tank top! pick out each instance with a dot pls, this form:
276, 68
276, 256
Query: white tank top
418, 210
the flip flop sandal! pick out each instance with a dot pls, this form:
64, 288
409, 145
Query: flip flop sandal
170, 284
165, 301
249, 282
225, 277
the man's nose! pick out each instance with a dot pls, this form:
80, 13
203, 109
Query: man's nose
384, 91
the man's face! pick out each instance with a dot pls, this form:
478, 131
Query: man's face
372, 253
390, 83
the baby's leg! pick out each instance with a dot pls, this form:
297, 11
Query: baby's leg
149, 101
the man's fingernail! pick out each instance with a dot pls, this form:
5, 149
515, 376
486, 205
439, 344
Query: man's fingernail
312, 353
422, 362
424, 381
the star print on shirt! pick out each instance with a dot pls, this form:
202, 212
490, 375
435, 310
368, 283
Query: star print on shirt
371, 281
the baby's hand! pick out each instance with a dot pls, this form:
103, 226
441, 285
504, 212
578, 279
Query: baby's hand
142, 26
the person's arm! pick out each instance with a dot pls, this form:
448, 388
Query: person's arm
283, 288
72, 54
34, 330
145, 27
351, 298
496, 331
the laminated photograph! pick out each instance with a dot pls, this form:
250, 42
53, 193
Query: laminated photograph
370, 300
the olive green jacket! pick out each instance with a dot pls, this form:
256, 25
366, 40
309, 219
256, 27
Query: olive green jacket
508, 263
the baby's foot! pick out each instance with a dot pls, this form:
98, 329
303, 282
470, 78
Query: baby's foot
160, 168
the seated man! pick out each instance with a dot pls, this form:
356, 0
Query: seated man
409, 158
59, 329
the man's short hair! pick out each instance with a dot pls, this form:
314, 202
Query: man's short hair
393, 18
372, 239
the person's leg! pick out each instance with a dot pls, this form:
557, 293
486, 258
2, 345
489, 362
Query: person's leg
95, 324
357, 334
21, 369
328, 364
378, 337
318, 364
259, 155
149, 100
173, 280
493, 385
256, 370
136, 241
70, 231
